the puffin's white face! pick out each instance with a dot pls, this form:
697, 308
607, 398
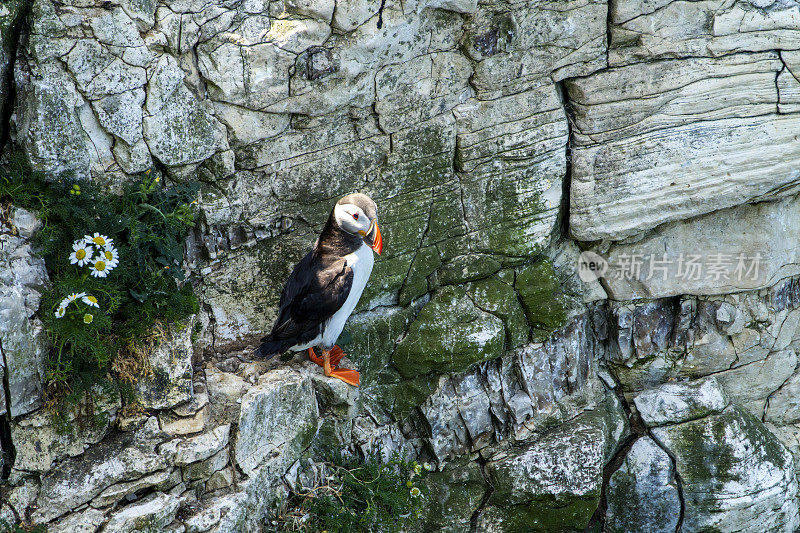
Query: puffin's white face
352, 219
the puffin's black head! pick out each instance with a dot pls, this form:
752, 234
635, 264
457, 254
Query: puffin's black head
357, 214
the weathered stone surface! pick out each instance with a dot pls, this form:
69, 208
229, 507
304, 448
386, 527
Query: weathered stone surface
94, 106
55, 125
77, 480
10, 13
440, 80
203, 470
40, 440
541, 297
18, 500
159, 481
350, 15
622, 161
783, 406
645, 29
88, 521
223, 512
670, 93
496, 295
22, 340
746, 340
332, 393
328, 79
265, 440
735, 474
754, 383
513, 151
517, 394
184, 425
247, 126
220, 479
554, 482
454, 495
788, 84
715, 253
149, 516
23, 350
236, 71
176, 127
170, 382
202, 446
680, 402
517, 48
577, 292
461, 6
643, 494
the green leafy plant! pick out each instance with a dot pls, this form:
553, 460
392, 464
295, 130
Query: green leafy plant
358, 495
114, 261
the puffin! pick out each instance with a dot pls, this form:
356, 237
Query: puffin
325, 286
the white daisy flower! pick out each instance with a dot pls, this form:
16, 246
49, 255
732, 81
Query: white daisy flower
71, 298
91, 301
81, 254
87, 318
111, 256
98, 240
62, 307
415, 492
99, 268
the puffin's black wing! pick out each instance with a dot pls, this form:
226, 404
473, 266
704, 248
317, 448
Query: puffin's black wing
316, 289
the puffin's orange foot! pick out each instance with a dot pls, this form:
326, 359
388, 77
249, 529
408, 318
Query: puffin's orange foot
336, 354
351, 377
314, 359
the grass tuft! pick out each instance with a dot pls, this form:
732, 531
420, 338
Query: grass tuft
357, 496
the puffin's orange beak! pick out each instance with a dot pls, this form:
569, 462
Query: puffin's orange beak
377, 241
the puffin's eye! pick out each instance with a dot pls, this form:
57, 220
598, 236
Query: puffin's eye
355, 216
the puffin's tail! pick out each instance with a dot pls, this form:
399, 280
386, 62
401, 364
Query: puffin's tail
270, 348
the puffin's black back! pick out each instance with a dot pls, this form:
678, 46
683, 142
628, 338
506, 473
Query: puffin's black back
317, 287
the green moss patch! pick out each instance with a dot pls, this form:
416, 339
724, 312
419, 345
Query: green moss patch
468, 268
541, 297
499, 298
449, 335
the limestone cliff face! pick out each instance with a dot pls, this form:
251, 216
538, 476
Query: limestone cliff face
500, 139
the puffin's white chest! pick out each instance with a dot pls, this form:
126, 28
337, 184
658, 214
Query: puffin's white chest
361, 261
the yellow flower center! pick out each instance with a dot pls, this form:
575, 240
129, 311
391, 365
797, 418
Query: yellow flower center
92, 299
100, 265
109, 255
80, 254
87, 318
99, 241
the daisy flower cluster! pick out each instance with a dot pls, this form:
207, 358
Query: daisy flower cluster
416, 470
97, 252
88, 299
